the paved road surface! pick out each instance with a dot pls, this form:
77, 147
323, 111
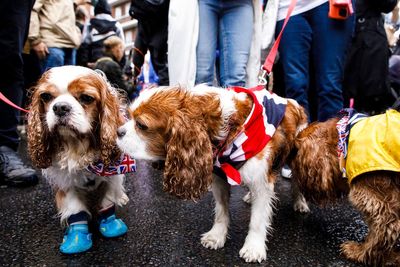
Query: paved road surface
164, 231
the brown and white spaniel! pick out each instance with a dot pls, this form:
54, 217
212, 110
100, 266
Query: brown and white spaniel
372, 183
72, 125
202, 132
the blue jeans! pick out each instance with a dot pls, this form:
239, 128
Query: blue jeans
312, 50
59, 57
226, 25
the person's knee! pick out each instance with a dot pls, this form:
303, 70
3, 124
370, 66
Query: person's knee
296, 83
205, 75
234, 78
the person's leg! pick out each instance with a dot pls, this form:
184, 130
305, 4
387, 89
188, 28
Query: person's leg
14, 23
158, 47
331, 39
207, 43
31, 70
55, 58
69, 56
139, 50
235, 36
294, 50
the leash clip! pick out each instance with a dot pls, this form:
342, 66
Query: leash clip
263, 78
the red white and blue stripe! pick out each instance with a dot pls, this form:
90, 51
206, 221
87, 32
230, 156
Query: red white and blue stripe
267, 113
348, 117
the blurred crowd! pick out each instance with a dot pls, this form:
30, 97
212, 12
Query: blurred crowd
326, 60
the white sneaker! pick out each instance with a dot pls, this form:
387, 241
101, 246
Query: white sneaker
286, 172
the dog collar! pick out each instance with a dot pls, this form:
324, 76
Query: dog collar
125, 164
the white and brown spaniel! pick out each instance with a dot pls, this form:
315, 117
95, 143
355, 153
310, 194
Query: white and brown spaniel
72, 125
217, 131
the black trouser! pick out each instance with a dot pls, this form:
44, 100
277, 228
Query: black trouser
153, 36
366, 77
14, 25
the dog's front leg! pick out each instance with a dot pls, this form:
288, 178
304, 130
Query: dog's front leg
74, 215
262, 197
69, 203
299, 201
216, 237
115, 193
110, 225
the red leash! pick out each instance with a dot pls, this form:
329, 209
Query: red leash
8, 101
269, 61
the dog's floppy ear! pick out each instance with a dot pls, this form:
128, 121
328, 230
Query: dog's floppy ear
315, 166
39, 143
110, 119
189, 163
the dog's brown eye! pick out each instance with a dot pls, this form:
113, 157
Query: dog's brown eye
141, 126
46, 97
86, 99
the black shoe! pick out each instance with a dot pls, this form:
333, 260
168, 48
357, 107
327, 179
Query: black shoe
13, 172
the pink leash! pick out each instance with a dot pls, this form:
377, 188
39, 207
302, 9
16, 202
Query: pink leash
8, 101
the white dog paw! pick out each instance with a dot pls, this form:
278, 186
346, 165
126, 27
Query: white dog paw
124, 199
253, 252
213, 240
247, 198
301, 205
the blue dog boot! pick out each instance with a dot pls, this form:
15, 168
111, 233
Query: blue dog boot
77, 239
112, 227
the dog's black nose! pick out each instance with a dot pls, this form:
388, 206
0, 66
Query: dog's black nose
61, 109
121, 132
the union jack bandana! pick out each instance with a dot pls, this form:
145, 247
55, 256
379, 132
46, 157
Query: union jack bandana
125, 164
267, 113
349, 117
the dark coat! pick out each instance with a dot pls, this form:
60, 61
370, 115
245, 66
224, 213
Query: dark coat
366, 71
149, 9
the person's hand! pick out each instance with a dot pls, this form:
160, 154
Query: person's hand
41, 50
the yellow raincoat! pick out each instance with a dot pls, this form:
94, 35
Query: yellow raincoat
374, 144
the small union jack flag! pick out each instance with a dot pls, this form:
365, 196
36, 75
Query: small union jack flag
125, 164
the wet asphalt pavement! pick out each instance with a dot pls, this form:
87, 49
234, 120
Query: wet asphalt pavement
164, 231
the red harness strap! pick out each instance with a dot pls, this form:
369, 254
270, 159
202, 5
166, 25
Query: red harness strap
267, 112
